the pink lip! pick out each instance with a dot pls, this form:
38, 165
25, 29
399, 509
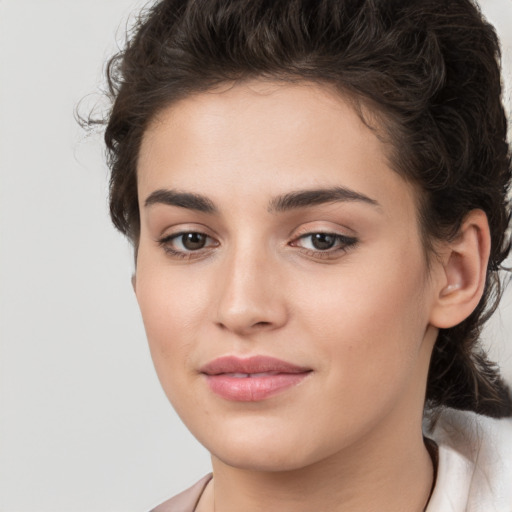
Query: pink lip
251, 379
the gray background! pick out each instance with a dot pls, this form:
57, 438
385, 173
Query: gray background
84, 425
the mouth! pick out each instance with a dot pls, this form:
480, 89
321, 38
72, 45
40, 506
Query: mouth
252, 379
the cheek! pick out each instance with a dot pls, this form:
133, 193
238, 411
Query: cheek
168, 297
170, 311
370, 322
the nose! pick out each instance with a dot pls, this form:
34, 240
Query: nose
250, 294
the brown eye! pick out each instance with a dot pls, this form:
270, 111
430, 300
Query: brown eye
193, 241
187, 243
323, 241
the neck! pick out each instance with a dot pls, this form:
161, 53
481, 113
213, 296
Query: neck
374, 475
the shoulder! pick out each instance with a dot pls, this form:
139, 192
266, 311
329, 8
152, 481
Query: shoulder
475, 463
187, 500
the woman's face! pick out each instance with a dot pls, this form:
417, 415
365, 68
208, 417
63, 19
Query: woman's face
281, 275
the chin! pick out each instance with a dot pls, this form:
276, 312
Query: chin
266, 448
266, 459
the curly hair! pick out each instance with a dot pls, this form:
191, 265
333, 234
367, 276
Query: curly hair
428, 69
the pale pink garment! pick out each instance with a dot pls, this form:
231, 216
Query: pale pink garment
187, 500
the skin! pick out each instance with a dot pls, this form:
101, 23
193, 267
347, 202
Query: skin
362, 315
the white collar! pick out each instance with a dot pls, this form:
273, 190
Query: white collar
474, 472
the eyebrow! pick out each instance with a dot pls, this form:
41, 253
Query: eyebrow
181, 199
290, 201
308, 198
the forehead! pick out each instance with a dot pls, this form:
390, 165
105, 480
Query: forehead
245, 105
257, 135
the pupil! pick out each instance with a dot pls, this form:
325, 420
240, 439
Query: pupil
193, 241
323, 241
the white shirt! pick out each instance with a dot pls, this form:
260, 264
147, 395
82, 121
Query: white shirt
474, 473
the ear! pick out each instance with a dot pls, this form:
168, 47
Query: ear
463, 272
134, 282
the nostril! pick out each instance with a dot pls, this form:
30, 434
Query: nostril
261, 324
246, 329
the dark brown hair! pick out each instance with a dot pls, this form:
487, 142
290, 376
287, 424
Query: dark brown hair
430, 71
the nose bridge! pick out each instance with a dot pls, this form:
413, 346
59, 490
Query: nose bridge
249, 293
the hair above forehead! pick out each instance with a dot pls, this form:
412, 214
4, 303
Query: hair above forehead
428, 69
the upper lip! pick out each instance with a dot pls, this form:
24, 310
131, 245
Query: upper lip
254, 364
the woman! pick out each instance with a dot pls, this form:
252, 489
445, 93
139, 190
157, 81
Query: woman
317, 197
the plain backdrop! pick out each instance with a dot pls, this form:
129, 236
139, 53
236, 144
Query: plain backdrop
84, 425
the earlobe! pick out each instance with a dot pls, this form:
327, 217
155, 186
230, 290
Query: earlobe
464, 270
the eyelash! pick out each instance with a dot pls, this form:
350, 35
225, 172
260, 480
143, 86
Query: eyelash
342, 244
167, 241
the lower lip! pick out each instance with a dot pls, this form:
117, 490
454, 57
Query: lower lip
253, 389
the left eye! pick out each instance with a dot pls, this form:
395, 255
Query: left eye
324, 241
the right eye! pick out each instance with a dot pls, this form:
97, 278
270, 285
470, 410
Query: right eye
184, 244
